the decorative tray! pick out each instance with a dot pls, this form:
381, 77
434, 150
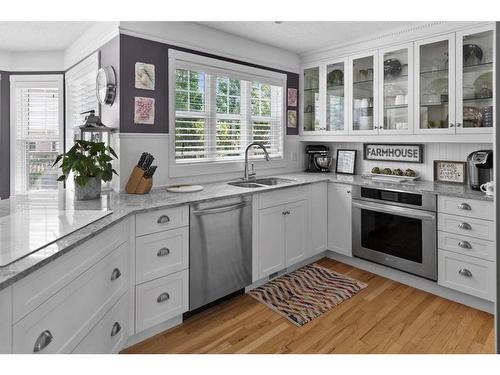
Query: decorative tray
389, 177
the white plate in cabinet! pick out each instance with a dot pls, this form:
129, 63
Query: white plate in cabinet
466, 245
159, 220
161, 254
467, 226
110, 334
160, 300
36, 288
60, 323
467, 274
479, 209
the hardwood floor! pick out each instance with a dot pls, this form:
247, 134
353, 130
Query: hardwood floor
386, 317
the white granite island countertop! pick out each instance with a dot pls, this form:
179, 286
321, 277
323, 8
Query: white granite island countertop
123, 205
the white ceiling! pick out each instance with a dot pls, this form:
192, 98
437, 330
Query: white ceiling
301, 37
40, 36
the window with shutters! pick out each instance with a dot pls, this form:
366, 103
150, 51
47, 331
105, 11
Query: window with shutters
36, 131
220, 109
81, 95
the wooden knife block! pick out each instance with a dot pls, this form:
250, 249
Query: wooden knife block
137, 183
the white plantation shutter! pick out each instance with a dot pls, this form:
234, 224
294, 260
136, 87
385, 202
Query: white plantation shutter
36, 132
219, 112
80, 94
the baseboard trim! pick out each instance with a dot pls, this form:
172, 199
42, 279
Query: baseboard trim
414, 281
153, 331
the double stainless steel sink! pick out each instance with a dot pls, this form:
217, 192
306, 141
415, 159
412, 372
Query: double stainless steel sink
261, 182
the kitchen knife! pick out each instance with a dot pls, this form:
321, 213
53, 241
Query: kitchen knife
147, 163
150, 172
142, 159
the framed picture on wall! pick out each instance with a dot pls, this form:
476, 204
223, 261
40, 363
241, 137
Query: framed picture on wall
450, 171
346, 161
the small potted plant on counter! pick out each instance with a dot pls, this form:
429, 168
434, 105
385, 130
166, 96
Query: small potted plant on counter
90, 163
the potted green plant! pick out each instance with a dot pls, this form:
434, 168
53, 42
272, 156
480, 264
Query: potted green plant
90, 163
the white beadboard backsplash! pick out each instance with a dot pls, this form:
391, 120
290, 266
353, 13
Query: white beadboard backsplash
432, 151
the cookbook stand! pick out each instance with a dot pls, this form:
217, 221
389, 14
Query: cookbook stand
137, 183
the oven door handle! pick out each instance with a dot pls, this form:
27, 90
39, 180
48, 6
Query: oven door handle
401, 211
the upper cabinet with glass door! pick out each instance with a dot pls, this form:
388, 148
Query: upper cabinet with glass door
311, 100
474, 109
396, 89
336, 83
435, 86
364, 94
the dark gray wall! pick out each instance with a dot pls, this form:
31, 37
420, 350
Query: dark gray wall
134, 50
4, 135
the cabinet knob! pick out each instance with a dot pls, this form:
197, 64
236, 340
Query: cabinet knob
465, 226
458, 124
465, 272
115, 274
465, 206
348, 192
465, 245
163, 297
452, 125
116, 329
163, 219
163, 252
43, 340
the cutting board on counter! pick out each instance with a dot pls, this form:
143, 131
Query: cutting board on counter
184, 188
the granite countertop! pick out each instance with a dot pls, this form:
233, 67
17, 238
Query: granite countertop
123, 205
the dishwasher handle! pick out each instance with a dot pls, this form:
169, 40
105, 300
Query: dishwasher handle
217, 210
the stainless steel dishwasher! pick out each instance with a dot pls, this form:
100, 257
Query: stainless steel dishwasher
220, 250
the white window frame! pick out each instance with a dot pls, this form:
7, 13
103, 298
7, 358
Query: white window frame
188, 61
38, 79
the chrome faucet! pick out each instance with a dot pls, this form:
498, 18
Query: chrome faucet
251, 174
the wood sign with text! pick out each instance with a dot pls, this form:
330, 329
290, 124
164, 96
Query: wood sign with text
393, 152
450, 171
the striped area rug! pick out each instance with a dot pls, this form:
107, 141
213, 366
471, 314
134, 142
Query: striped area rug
306, 293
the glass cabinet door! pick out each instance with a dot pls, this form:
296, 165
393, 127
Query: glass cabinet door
311, 115
363, 94
336, 119
475, 82
396, 90
434, 80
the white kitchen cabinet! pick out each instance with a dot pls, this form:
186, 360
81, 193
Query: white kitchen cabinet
319, 217
271, 240
339, 219
6, 320
296, 232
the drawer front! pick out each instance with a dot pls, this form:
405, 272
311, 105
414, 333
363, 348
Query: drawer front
31, 291
160, 220
160, 300
60, 323
482, 229
466, 245
467, 274
282, 196
110, 334
161, 254
6, 320
466, 207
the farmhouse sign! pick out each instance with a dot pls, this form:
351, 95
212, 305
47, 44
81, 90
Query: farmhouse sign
393, 152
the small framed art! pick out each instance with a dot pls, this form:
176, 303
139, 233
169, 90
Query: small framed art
346, 161
450, 171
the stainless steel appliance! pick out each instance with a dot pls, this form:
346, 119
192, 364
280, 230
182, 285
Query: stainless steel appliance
480, 166
318, 158
220, 250
395, 228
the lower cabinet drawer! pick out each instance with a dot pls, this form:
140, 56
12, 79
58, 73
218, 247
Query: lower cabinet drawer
160, 254
467, 274
160, 300
467, 226
61, 322
466, 245
110, 334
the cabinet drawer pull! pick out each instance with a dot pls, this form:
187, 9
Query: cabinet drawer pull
43, 341
163, 219
163, 252
116, 329
115, 274
465, 272
465, 226
459, 124
464, 206
465, 245
163, 297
